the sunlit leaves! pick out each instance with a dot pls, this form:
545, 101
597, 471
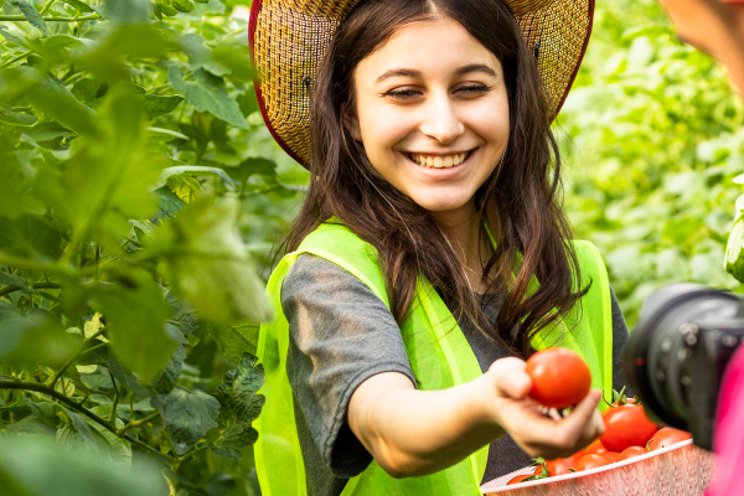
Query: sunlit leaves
652, 141
108, 180
103, 151
207, 94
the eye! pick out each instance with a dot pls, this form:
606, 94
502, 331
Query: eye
472, 90
402, 94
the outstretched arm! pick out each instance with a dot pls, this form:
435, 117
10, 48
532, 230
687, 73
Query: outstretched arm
411, 432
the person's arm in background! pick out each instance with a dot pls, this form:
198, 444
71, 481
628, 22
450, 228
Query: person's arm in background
715, 27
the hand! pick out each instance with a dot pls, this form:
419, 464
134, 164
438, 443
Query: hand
525, 420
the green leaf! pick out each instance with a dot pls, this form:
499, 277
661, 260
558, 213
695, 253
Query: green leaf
240, 406
166, 381
89, 91
127, 11
258, 166
231, 341
159, 105
207, 95
19, 118
237, 393
52, 98
135, 313
108, 180
109, 59
207, 264
81, 6
188, 416
33, 465
194, 170
31, 14
34, 339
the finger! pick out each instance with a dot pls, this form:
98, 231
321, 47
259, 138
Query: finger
585, 417
510, 378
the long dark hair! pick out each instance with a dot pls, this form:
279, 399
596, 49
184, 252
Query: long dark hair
521, 195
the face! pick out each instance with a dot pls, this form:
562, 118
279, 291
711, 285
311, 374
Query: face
432, 114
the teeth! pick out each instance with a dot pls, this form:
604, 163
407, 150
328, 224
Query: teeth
439, 161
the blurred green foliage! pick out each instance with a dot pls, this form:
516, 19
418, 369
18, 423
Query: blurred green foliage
142, 196
652, 136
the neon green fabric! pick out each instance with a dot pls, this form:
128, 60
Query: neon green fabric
439, 354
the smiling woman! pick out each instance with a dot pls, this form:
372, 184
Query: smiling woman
431, 255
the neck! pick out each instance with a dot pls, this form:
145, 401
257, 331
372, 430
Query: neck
470, 244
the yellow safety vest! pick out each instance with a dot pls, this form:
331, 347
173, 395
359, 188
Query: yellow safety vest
439, 354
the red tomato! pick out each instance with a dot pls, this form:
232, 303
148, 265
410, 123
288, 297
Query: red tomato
667, 436
610, 456
560, 377
560, 466
517, 479
625, 426
595, 446
591, 460
632, 451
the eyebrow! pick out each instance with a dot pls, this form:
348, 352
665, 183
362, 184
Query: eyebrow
466, 69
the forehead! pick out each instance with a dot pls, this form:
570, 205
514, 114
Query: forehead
436, 44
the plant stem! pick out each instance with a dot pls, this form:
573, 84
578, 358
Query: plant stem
83, 347
46, 6
22, 18
15, 59
24, 263
37, 285
41, 388
137, 423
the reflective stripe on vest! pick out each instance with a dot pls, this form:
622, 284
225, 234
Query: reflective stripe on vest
439, 354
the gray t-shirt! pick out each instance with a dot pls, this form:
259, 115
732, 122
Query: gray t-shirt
342, 334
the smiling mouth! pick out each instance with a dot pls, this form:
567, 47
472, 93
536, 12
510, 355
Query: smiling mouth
439, 161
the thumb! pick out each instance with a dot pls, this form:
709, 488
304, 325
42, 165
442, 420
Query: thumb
510, 378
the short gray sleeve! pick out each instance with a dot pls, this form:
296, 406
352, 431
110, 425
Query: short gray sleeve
341, 334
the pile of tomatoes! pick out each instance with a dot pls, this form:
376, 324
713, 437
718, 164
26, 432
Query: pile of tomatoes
628, 431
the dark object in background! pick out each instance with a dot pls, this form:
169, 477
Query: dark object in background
677, 354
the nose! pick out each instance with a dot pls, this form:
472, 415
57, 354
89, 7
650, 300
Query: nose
440, 120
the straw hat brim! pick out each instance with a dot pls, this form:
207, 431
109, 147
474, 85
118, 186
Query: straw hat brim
288, 38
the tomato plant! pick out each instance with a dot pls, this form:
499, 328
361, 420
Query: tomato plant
560, 377
667, 436
626, 425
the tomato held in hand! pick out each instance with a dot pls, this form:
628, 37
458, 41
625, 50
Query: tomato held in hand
667, 436
560, 377
626, 425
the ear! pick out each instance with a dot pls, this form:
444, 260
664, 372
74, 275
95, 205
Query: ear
351, 122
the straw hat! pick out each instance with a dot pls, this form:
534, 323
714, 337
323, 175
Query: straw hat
289, 37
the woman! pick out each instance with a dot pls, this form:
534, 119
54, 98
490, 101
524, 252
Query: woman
431, 256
